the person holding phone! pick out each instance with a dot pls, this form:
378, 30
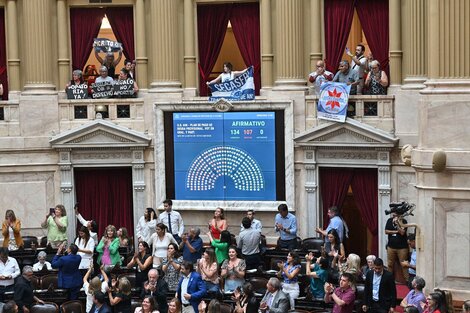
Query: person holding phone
56, 225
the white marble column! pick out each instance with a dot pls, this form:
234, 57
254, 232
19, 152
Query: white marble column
67, 192
311, 187
190, 65
384, 186
165, 53
63, 42
289, 47
138, 183
12, 46
37, 31
141, 45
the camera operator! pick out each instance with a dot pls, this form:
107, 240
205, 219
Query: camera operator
397, 246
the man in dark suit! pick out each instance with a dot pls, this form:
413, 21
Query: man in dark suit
274, 301
99, 303
380, 292
191, 288
23, 291
69, 276
156, 287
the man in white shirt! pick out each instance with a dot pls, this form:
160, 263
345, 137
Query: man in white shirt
255, 224
172, 220
191, 288
248, 242
359, 64
9, 270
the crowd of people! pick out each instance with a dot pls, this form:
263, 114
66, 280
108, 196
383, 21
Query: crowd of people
105, 73
170, 260
363, 74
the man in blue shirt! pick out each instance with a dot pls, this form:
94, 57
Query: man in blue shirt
285, 224
191, 245
336, 223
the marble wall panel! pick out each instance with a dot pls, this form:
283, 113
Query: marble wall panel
27, 199
452, 243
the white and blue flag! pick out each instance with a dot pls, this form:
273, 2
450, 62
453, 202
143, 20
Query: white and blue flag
333, 101
241, 88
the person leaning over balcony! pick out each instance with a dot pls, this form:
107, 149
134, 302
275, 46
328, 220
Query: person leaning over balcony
227, 75
377, 79
347, 76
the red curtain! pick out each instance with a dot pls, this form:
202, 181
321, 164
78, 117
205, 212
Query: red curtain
246, 28
373, 15
212, 21
338, 20
334, 184
121, 20
3, 56
365, 188
105, 195
84, 25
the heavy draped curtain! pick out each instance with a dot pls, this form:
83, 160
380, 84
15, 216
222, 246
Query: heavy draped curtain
338, 19
85, 24
364, 186
373, 15
334, 184
212, 22
122, 23
3, 56
246, 29
105, 195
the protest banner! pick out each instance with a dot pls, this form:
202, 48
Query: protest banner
106, 45
102, 90
333, 101
238, 89
124, 88
77, 91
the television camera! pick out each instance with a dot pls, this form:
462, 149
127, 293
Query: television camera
400, 208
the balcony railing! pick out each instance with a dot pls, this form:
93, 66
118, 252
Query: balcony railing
377, 111
128, 112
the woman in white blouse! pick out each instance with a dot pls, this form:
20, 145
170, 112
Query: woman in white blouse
146, 226
86, 246
160, 241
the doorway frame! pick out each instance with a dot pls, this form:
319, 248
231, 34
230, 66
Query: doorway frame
351, 144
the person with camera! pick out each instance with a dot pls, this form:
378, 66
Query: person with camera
397, 246
69, 276
56, 225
